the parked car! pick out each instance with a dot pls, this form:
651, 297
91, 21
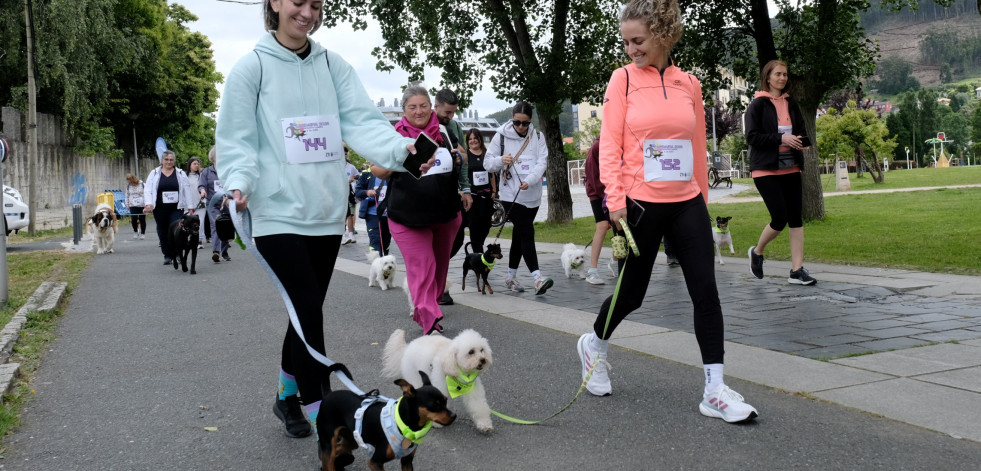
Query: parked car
15, 211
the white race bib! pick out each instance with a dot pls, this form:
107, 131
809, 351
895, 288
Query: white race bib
523, 167
169, 196
668, 160
444, 162
480, 179
218, 187
380, 191
309, 139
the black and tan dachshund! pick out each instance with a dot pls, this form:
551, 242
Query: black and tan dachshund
481, 264
336, 423
182, 238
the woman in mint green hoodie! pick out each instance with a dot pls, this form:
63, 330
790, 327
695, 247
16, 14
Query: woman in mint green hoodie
288, 107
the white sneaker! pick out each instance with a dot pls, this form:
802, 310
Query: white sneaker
727, 405
599, 382
346, 238
593, 278
136, 235
142, 236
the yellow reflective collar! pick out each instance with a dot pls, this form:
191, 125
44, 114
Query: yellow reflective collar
460, 385
415, 436
490, 266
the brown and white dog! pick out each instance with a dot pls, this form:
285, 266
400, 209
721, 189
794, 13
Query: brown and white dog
103, 227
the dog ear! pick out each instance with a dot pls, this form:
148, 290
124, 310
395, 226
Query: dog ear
407, 389
425, 378
447, 360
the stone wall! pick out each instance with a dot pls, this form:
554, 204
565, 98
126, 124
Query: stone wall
61, 173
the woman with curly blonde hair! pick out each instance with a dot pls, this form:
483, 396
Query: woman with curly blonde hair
652, 161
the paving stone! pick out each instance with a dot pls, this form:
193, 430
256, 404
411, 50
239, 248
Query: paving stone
831, 352
880, 324
827, 341
893, 332
944, 325
777, 343
948, 335
896, 343
967, 378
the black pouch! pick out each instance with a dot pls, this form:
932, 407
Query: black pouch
785, 160
224, 226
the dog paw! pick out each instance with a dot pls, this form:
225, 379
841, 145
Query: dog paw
484, 426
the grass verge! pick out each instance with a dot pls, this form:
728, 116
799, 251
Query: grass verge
894, 179
40, 235
27, 271
920, 230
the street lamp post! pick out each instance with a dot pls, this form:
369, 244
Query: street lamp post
136, 157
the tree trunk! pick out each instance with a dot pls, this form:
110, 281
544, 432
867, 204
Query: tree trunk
875, 169
556, 173
813, 207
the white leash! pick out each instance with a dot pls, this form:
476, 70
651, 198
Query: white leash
243, 225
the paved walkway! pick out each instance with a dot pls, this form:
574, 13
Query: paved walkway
861, 335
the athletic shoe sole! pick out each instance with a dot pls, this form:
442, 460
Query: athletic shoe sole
544, 287
750, 254
581, 350
795, 281
717, 414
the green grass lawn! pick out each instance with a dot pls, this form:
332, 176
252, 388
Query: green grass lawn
914, 178
934, 231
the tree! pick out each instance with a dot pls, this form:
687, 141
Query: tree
544, 52
894, 76
589, 130
857, 131
822, 41
957, 128
726, 122
946, 75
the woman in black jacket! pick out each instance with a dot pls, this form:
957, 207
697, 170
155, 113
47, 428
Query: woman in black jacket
776, 136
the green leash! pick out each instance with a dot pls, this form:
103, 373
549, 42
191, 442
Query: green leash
632, 244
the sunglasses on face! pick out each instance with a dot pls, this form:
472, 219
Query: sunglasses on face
521, 123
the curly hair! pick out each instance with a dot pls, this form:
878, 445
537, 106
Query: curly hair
662, 18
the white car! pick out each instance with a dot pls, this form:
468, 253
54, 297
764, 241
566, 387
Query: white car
15, 211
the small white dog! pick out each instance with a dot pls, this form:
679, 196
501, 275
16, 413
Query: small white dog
461, 359
382, 270
103, 227
722, 237
573, 259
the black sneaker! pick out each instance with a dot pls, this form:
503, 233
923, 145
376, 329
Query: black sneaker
225, 256
801, 277
168, 260
214, 257
755, 263
295, 425
445, 299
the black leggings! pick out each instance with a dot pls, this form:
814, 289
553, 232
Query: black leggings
687, 224
138, 219
783, 196
478, 219
523, 235
304, 265
163, 216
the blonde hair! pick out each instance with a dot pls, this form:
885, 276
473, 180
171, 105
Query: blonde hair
132, 179
662, 18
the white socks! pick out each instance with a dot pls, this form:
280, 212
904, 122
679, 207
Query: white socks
598, 345
512, 272
536, 274
713, 377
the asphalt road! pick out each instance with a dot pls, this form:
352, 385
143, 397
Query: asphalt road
146, 358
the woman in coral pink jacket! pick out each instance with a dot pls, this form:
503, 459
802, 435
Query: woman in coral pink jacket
653, 163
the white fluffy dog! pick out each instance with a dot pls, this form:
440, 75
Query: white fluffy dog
382, 270
103, 227
462, 358
573, 259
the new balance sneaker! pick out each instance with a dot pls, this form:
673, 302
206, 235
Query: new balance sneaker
295, 425
599, 382
593, 278
542, 285
727, 405
513, 285
755, 263
800, 276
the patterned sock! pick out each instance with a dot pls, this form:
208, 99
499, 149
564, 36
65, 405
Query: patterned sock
287, 385
312, 411
512, 272
713, 377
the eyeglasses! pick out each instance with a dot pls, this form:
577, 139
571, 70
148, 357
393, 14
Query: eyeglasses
521, 123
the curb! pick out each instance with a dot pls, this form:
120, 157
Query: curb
45, 298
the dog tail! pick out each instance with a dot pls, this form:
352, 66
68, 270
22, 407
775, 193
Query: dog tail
325, 383
394, 350
569, 246
465, 251
372, 255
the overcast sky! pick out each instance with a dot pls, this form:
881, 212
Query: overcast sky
235, 28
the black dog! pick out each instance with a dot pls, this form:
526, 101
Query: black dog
481, 264
183, 238
336, 423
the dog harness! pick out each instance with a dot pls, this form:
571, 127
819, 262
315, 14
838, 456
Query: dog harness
575, 265
720, 231
394, 429
460, 385
490, 265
